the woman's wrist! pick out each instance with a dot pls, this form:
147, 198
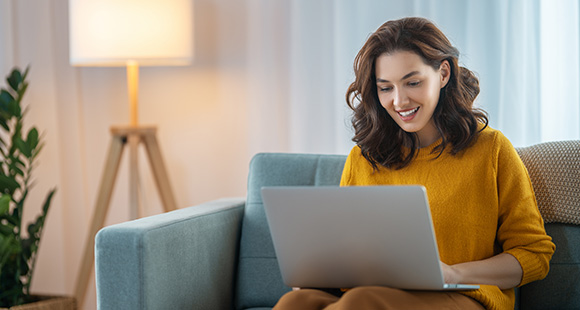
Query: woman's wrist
502, 270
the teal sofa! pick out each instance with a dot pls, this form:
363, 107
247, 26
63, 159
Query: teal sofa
219, 255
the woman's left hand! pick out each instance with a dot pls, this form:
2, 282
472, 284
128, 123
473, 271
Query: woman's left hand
450, 275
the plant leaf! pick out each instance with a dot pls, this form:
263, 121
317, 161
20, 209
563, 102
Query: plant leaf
21, 92
47, 201
8, 184
11, 220
17, 170
5, 100
24, 86
27, 247
5, 252
23, 147
35, 228
24, 268
15, 79
5, 203
16, 162
11, 104
4, 124
6, 230
32, 138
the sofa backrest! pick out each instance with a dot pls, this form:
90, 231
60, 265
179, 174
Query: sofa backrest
259, 283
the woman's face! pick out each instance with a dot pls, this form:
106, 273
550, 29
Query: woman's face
409, 90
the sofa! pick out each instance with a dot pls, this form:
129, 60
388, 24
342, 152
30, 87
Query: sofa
219, 254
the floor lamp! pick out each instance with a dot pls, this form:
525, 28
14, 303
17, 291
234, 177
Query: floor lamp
128, 33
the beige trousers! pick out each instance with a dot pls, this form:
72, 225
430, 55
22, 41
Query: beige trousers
374, 297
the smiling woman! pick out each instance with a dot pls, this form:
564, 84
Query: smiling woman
415, 123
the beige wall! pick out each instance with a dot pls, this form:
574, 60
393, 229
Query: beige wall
201, 112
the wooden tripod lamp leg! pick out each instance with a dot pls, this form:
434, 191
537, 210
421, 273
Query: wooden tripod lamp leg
99, 214
159, 171
133, 142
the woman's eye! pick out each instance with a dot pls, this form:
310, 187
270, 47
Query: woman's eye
415, 83
385, 89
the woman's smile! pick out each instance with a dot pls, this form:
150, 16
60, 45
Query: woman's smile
407, 115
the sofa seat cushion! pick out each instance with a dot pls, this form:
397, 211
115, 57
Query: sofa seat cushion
561, 288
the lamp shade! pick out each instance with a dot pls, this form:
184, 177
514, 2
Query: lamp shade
116, 32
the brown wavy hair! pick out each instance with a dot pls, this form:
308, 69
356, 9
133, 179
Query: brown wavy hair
376, 133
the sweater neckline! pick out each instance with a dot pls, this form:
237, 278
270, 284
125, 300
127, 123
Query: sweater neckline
424, 152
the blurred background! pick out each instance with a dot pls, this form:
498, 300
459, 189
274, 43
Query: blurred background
267, 76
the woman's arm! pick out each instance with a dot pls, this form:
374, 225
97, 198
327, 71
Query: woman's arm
502, 270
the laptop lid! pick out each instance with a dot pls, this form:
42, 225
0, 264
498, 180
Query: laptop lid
341, 237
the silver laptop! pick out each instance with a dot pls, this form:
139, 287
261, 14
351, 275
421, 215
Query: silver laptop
341, 237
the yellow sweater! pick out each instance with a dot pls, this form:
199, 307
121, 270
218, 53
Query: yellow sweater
482, 204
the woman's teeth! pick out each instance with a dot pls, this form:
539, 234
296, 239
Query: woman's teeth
407, 113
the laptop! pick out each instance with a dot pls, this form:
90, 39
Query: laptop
343, 237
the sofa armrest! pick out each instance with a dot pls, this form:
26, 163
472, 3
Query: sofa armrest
178, 260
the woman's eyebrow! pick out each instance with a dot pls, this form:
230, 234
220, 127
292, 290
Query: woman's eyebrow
408, 75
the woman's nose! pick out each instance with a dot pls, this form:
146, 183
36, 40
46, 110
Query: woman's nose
400, 99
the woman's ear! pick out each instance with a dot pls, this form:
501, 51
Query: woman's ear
444, 72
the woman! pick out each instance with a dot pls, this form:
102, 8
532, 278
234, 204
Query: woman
415, 123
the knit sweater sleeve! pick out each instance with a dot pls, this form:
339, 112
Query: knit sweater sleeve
521, 230
346, 177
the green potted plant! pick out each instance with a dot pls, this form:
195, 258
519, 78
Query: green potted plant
19, 151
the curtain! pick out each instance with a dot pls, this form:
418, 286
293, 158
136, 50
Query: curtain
268, 76
525, 54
